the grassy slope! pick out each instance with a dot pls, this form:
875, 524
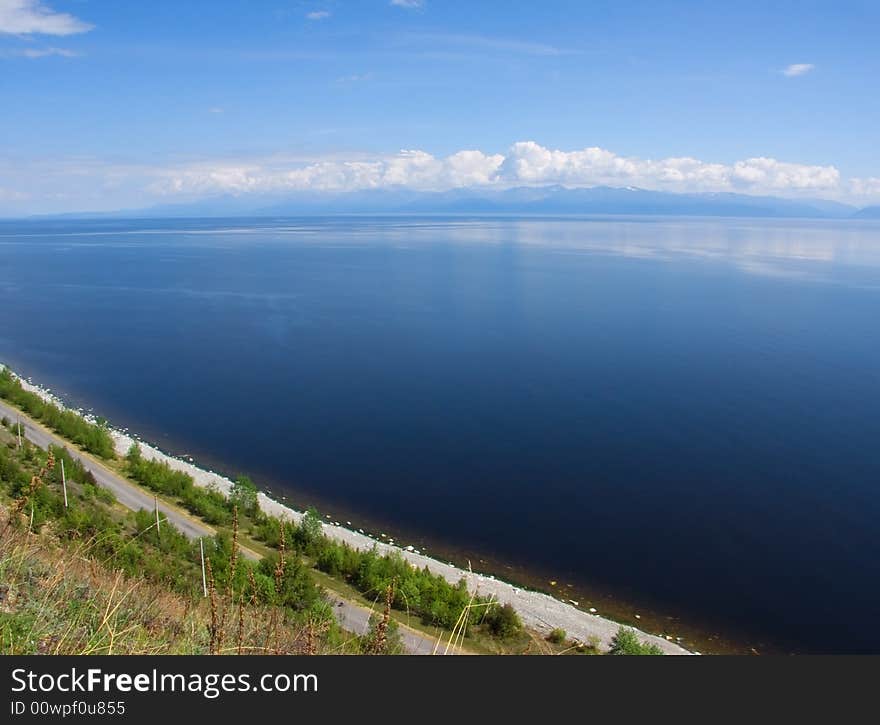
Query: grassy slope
60, 592
35, 561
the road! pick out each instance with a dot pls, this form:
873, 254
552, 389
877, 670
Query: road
352, 617
129, 495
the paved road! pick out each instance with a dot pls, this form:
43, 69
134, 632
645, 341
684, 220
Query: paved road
126, 493
352, 617
357, 619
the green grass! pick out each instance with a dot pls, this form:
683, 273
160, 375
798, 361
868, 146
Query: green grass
360, 577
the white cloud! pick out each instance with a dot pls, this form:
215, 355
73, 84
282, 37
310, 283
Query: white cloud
481, 43
355, 78
46, 52
529, 163
525, 164
318, 15
12, 195
410, 169
408, 3
215, 109
797, 69
88, 183
25, 17
867, 189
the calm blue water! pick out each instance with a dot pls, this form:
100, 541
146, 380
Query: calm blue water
682, 413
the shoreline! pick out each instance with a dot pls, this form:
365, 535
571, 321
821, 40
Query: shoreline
538, 610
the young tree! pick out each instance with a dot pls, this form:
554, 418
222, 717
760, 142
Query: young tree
503, 621
557, 636
310, 528
625, 642
244, 495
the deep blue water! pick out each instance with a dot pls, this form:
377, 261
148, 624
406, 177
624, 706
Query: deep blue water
682, 413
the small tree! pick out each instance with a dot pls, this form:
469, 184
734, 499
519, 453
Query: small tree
310, 528
557, 636
503, 621
393, 641
625, 642
244, 495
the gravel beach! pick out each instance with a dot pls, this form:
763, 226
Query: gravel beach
537, 610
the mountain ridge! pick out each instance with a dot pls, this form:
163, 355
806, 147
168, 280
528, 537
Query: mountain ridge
543, 200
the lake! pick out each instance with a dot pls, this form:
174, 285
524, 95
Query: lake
673, 416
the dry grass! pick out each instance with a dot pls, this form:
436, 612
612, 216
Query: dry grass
56, 598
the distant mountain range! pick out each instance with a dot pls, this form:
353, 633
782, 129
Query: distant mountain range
546, 200
869, 212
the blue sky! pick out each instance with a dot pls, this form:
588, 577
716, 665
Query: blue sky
109, 104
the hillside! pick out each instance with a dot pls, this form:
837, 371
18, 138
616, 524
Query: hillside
274, 575
91, 578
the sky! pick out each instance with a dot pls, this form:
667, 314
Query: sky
107, 105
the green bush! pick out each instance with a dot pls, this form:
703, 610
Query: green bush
557, 636
625, 642
158, 476
93, 437
244, 495
503, 622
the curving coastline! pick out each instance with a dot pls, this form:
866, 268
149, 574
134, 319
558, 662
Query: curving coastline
537, 610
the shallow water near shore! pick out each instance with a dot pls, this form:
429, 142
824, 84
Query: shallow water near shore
680, 413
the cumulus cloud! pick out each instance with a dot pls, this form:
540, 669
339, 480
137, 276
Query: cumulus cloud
410, 169
318, 15
78, 183
530, 163
797, 69
26, 17
526, 163
867, 189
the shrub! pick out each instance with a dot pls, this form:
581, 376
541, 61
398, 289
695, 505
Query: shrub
244, 495
94, 437
625, 642
309, 531
503, 621
209, 504
557, 636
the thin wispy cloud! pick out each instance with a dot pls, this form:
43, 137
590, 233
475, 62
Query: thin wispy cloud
482, 43
410, 4
29, 17
355, 78
215, 109
318, 15
39, 53
797, 69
